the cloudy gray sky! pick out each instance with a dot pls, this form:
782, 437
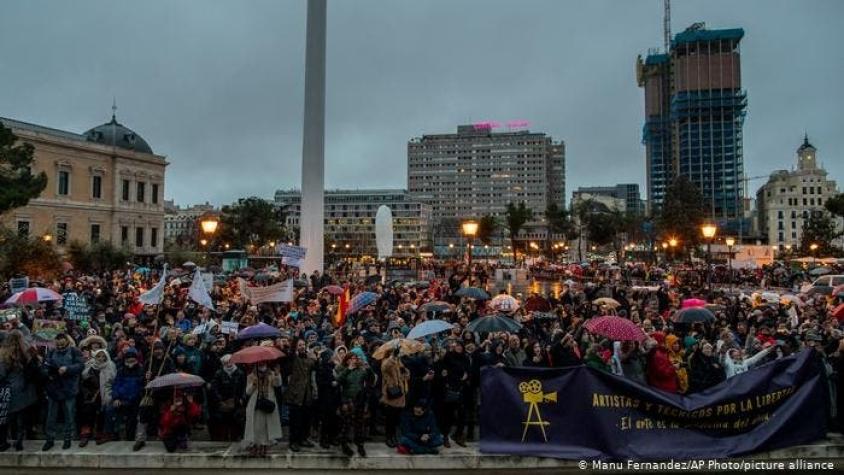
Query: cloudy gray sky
217, 86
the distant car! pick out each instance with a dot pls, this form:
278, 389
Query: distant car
823, 282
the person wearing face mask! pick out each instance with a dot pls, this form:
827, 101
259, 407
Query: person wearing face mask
95, 401
226, 401
263, 424
126, 393
62, 368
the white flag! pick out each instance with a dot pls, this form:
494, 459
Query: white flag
198, 293
155, 295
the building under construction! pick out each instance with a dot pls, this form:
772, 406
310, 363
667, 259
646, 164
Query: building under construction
694, 112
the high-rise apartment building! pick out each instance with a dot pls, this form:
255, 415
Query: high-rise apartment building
694, 113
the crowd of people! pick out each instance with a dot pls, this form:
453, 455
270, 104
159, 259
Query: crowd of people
336, 384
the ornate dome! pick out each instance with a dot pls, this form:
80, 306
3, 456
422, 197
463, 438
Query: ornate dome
115, 134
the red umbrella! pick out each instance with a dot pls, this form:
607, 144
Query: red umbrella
256, 354
615, 328
334, 290
537, 304
34, 295
838, 312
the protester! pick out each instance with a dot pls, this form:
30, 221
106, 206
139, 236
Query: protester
263, 422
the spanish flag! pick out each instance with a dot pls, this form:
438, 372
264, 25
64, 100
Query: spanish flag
342, 306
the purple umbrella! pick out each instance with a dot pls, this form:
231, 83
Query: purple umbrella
361, 300
261, 330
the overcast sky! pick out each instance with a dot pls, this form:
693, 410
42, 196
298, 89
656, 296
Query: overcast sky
217, 86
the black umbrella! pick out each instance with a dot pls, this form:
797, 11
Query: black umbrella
494, 323
437, 306
472, 293
694, 314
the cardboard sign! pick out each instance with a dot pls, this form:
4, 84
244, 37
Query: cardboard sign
18, 284
293, 262
76, 307
229, 328
295, 252
46, 330
7, 314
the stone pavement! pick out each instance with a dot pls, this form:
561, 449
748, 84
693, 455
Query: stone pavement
206, 457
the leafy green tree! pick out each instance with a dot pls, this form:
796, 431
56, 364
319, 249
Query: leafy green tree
515, 218
27, 256
98, 257
682, 212
487, 229
835, 205
558, 222
17, 183
819, 229
250, 221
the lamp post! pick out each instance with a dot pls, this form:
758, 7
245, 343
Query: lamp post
208, 223
813, 247
730, 242
709, 230
470, 229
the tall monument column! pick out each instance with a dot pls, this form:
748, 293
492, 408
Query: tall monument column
311, 221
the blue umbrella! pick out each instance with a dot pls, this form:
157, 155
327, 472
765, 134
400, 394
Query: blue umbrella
361, 300
261, 330
472, 293
429, 327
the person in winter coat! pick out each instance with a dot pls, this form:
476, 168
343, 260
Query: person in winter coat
354, 379
126, 392
328, 398
95, 401
62, 368
263, 424
299, 396
419, 432
159, 364
177, 418
660, 372
18, 373
453, 376
705, 370
678, 358
394, 378
226, 401
515, 355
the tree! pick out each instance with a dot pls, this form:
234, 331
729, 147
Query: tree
682, 212
31, 257
97, 257
487, 229
819, 229
250, 221
835, 205
559, 222
17, 183
515, 218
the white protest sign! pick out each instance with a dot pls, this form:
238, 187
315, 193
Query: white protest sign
18, 284
229, 328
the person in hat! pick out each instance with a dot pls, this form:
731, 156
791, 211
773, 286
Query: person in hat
419, 431
300, 366
95, 398
225, 397
263, 422
62, 368
126, 394
660, 372
354, 379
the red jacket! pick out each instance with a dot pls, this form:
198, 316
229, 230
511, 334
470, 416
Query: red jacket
661, 373
183, 419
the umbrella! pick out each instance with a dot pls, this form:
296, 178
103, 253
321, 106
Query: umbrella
300, 284
693, 303
435, 306
494, 323
33, 295
361, 300
256, 354
544, 316
189, 264
504, 303
770, 297
714, 307
615, 328
838, 312
537, 304
176, 380
406, 347
261, 330
373, 279
334, 289
613, 303
429, 327
694, 314
820, 271
472, 293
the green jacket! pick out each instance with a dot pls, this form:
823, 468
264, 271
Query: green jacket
353, 382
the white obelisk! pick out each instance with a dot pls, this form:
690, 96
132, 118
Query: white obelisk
311, 221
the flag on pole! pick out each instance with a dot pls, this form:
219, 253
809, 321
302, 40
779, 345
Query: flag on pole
198, 293
342, 306
155, 295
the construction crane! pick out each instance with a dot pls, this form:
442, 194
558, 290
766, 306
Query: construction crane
666, 25
745, 180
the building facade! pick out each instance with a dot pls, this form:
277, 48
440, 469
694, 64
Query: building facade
790, 197
350, 221
627, 192
694, 115
103, 185
181, 225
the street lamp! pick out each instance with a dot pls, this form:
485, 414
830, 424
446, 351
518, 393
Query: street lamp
730, 242
813, 247
470, 229
709, 230
47, 238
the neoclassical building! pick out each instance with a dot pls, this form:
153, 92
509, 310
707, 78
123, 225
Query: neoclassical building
789, 198
103, 185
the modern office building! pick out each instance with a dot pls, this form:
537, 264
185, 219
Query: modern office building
790, 197
350, 221
694, 114
627, 192
105, 184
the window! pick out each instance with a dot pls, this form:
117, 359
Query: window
141, 191
97, 186
64, 183
95, 233
61, 234
125, 190
23, 228
155, 195
153, 237
139, 237
124, 235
